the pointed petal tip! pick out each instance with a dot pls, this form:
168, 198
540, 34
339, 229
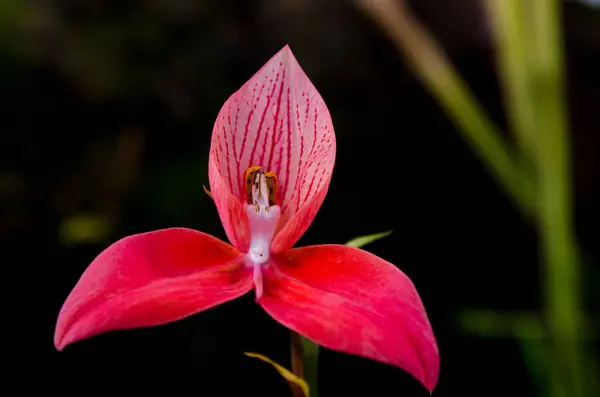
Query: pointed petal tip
286, 56
64, 336
286, 50
59, 334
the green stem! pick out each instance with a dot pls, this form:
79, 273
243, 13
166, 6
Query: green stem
305, 359
311, 362
562, 278
509, 21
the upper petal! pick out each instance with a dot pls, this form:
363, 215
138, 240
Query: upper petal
295, 226
231, 208
277, 120
349, 300
150, 279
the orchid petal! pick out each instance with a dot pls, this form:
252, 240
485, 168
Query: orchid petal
349, 300
231, 209
277, 120
150, 279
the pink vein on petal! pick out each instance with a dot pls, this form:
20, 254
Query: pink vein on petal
259, 131
253, 106
229, 175
289, 138
276, 119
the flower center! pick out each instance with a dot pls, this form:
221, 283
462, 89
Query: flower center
263, 215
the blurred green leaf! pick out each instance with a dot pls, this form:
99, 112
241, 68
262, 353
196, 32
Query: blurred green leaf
361, 241
452, 93
84, 229
489, 323
538, 363
563, 299
509, 22
523, 325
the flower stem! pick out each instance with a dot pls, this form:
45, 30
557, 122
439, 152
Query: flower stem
515, 50
305, 357
562, 274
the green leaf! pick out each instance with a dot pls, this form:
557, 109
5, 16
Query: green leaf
84, 229
361, 241
286, 373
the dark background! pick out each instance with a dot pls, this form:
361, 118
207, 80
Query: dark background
106, 111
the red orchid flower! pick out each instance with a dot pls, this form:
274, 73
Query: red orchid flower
270, 164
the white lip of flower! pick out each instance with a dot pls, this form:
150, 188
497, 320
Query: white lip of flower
262, 222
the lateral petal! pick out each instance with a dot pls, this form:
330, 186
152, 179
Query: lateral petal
349, 300
150, 279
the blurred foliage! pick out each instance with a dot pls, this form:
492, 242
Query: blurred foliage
529, 40
84, 229
125, 94
119, 51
